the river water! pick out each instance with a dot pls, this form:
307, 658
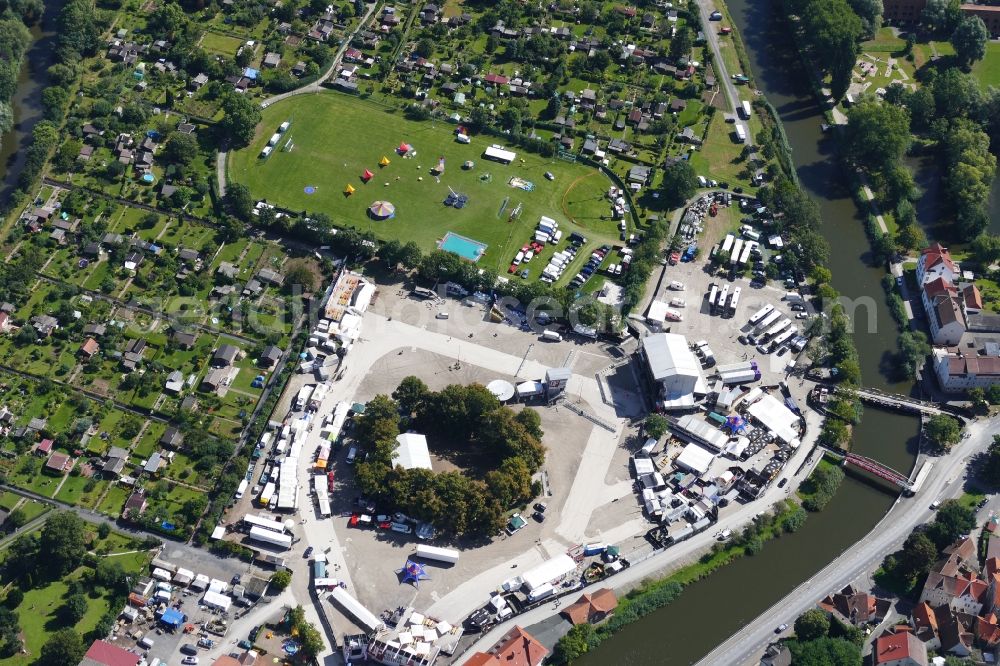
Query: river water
711, 610
26, 102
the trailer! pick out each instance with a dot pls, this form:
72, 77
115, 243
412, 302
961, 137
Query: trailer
244, 484
727, 244
446, 555
760, 314
747, 249
316, 399
273, 538
734, 301
713, 292
768, 321
302, 399
267, 494
741, 377
784, 337
734, 367
741, 134
776, 329
723, 296
745, 110
737, 249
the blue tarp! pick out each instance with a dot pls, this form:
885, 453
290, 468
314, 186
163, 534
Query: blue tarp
172, 617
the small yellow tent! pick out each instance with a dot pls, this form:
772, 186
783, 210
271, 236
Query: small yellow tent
349, 190
384, 161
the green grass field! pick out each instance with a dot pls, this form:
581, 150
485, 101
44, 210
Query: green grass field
337, 137
987, 70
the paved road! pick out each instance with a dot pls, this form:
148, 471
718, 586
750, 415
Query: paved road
888, 535
317, 85
706, 7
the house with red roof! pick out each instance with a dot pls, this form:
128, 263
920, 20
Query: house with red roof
899, 647
934, 262
102, 653
58, 463
43, 448
592, 608
496, 79
958, 371
854, 607
4, 322
516, 648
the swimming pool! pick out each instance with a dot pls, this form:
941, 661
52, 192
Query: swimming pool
462, 246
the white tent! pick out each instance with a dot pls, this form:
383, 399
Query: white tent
672, 365
776, 417
695, 458
700, 430
183, 576
643, 466
216, 585
412, 452
217, 600
548, 571
161, 574
200, 582
497, 153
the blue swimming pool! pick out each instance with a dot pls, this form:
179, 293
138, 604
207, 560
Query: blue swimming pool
462, 246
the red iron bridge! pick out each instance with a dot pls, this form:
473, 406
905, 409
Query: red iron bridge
887, 473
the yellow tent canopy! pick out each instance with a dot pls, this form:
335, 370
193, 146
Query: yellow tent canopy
349, 189
384, 161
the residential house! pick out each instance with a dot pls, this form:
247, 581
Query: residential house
102, 653
174, 383
592, 608
172, 438
899, 647
429, 14
114, 462
852, 606
37, 425
44, 447
954, 581
227, 270
89, 348
44, 325
272, 60
215, 379
517, 646
154, 463
225, 356
640, 175
183, 339
58, 463
132, 356
271, 277
95, 330
957, 371
269, 357
935, 261
4, 322
135, 505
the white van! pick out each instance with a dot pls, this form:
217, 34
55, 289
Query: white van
351, 455
441, 315
145, 643
551, 336
702, 181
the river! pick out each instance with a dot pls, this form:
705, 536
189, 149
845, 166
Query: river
26, 102
711, 610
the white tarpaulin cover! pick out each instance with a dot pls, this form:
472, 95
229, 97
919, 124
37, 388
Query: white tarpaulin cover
776, 417
216, 600
548, 571
695, 458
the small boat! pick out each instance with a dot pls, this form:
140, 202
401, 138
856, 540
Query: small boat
824, 127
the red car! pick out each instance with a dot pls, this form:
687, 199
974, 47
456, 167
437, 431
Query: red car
384, 525
513, 267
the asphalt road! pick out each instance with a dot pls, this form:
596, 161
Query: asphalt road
705, 8
944, 482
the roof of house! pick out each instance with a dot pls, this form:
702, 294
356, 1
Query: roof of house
973, 299
939, 286
602, 602
102, 653
45, 446
948, 311
937, 254
226, 353
58, 461
90, 346
899, 645
516, 648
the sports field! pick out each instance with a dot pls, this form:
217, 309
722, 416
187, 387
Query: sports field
336, 137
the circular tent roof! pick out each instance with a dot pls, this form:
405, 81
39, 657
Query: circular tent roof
289, 524
382, 210
502, 389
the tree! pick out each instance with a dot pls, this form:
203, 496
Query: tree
240, 120
825, 652
913, 349
62, 541
103, 531
986, 248
943, 431
953, 520
812, 624
424, 48
6, 117
281, 579
940, 16
64, 648
655, 425
679, 183
74, 609
969, 40
181, 148
109, 574
916, 557
877, 136
870, 13
682, 42
238, 201
410, 394
574, 644
14, 598
299, 274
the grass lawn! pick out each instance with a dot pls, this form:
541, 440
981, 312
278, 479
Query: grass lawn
987, 70
337, 137
114, 501
222, 44
719, 156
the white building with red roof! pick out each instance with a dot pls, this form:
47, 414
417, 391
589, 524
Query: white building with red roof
899, 647
102, 653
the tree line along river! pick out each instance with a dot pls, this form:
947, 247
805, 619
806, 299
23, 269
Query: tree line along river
711, 610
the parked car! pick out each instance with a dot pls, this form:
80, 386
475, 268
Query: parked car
187, 648
538, 516
308, 552
206, 643
783, 482
245, 645
781, 627
190, 661
540, 507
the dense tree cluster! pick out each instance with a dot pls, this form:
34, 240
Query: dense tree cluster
821, 486
831, 30
465, 422
943, 431
904, 570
